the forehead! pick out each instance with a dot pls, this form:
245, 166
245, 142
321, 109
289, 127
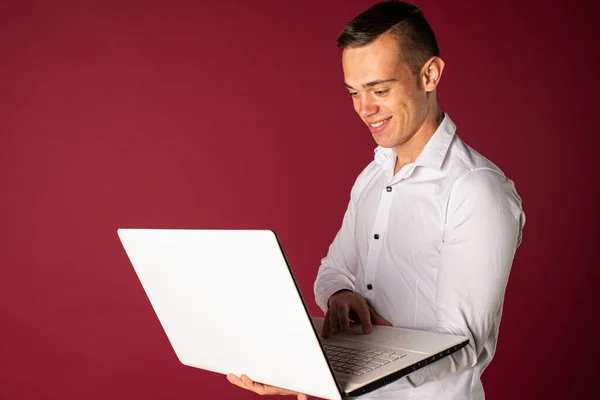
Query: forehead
377, 60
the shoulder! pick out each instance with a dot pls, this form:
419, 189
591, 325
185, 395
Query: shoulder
474, 180
482, 182
462, 159
469, 170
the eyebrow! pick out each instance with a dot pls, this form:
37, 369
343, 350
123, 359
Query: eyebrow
373, 83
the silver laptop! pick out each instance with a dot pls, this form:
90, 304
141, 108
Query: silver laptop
228, 303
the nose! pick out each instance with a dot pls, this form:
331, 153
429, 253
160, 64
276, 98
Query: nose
366, 106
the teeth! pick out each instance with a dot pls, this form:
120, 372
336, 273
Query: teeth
378, 124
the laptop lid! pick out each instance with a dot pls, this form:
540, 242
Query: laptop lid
228, 303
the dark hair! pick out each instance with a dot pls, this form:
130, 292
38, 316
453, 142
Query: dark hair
404, 20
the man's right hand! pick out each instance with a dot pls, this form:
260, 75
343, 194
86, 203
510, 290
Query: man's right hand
344, 304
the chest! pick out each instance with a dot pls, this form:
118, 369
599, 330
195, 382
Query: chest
406, 216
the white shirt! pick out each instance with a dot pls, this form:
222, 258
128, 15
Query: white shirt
435, 244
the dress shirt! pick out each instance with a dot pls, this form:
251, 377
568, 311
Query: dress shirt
430, 248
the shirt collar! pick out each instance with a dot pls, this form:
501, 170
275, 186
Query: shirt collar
434, 152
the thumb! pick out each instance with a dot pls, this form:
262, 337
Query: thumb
377, 319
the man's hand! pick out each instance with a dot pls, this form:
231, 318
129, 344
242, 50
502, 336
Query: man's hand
345, 305
246, 383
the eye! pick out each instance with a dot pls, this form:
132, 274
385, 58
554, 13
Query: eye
382, 92
353, 94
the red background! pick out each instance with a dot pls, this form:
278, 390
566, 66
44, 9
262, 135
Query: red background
210, 114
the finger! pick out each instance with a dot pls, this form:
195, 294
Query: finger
333, 319
342, 313
326, 329
378, 319
302, 396
236, 381
383, 321
362, 309
262, 389
251, 385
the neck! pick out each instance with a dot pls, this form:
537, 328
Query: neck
408, 151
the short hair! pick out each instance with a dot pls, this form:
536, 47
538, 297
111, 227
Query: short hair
404, 20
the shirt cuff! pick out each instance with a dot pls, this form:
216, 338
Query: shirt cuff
325, 294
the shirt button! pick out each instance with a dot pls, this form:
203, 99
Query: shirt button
389, 188
376, 236
369, 286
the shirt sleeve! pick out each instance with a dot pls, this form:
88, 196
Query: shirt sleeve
338, 268
483, 228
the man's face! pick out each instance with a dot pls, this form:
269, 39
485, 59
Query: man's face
386, 94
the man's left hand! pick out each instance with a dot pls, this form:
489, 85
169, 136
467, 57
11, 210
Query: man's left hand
246, 383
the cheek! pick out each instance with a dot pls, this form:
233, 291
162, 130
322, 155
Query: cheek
356, 105
398, 108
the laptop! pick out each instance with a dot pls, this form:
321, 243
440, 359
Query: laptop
228, 303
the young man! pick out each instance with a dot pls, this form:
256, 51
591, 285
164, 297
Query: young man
432, 226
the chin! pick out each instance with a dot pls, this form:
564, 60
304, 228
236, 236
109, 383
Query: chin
388, 144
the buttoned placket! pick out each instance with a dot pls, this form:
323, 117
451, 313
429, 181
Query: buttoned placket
380, 226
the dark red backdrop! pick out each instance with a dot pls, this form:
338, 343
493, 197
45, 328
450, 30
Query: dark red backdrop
210, 114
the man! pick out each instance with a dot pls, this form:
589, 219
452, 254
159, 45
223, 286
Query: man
430, 232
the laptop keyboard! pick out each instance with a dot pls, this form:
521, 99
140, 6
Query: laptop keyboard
357, 362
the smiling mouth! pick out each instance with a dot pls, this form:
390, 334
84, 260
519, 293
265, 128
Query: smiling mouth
379, 123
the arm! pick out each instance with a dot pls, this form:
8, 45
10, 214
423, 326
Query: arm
483, 229
338, 268
334, 286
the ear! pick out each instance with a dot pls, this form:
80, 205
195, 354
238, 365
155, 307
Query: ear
431, 73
